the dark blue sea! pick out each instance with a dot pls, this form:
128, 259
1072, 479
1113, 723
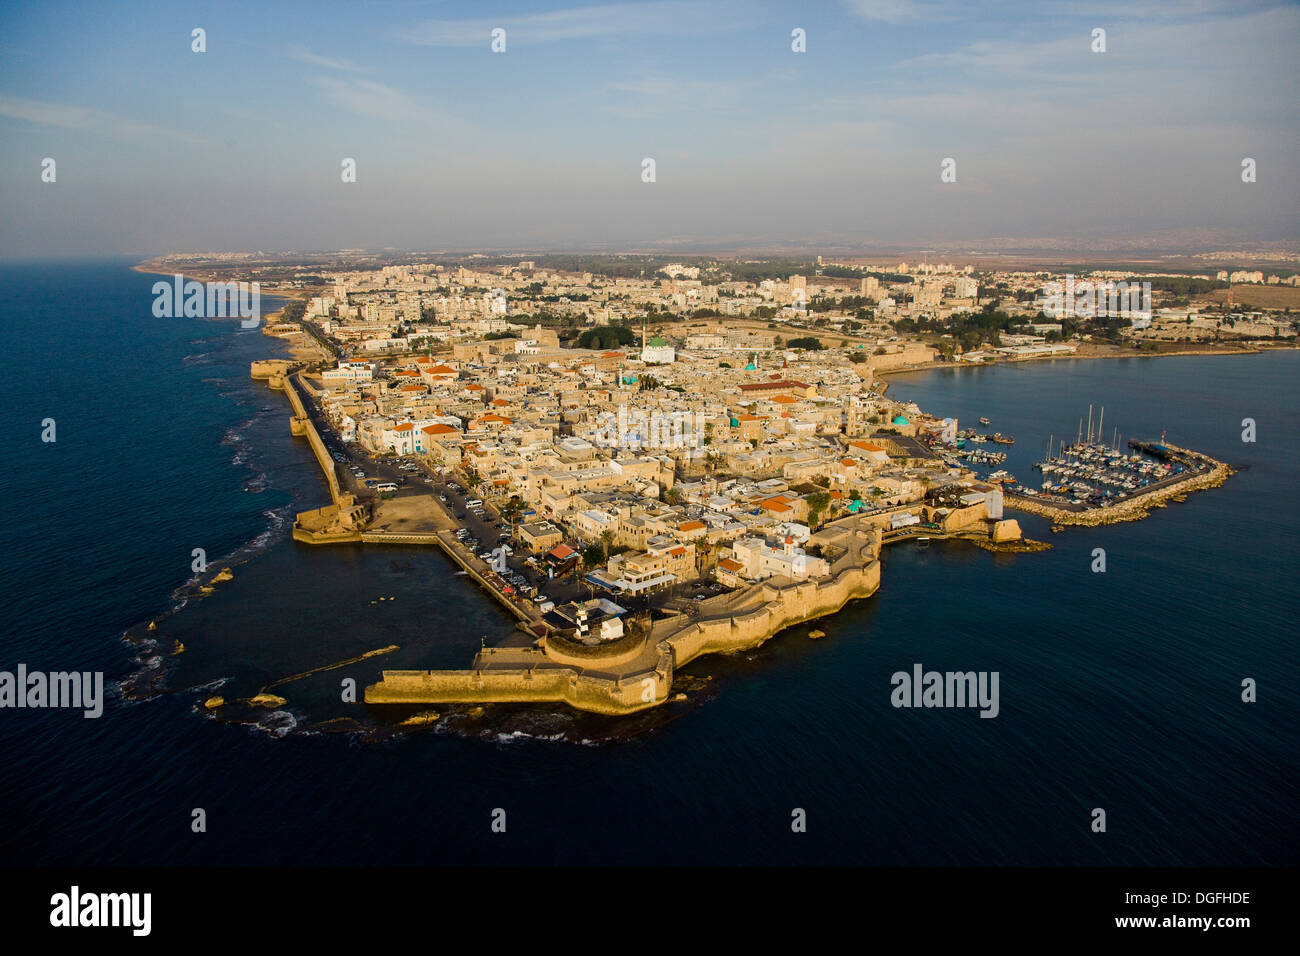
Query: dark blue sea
1119, 691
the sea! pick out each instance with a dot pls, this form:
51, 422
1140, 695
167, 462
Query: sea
1120, 691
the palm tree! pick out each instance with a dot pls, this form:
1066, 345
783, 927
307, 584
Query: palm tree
607, 539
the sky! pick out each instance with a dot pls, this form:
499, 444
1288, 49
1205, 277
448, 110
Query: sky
158, 148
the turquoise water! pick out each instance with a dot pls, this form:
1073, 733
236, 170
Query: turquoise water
1118, 690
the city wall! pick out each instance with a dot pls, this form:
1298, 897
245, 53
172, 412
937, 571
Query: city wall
761, 611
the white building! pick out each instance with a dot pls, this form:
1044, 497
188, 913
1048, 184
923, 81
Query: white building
759, 560
658, 352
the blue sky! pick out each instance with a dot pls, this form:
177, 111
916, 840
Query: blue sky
161, 149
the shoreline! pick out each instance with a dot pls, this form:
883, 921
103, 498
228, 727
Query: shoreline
641, 677
302, 347
1253, 349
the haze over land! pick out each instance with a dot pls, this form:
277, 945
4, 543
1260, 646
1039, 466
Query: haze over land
159, 148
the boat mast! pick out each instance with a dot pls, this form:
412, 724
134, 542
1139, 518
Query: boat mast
1099, 426
1089, 424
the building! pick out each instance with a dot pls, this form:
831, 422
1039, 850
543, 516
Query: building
760, 559
658, 352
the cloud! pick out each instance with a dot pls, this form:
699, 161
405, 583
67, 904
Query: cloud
890, 11
582, 23
658, 95
329, 63
374, 100
86, 118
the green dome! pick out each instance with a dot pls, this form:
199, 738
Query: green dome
657, 342
751, 367
901, 420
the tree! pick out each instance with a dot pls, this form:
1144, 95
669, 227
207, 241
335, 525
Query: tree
607, 539
857, 358
807, 343
593, 556
817, 503
673, 496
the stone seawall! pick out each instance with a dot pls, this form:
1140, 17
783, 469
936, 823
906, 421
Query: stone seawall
785, 605
302, 425
780, 605
599, 695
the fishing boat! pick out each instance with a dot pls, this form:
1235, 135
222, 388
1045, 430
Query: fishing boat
1002, 439
984, 421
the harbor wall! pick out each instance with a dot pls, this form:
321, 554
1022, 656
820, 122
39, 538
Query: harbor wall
600, 695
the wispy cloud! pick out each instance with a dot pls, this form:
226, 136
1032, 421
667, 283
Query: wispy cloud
657, 95
890, 11
329, 63
582, 23
374, 100
86, 118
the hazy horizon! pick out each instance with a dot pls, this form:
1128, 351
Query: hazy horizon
162, 149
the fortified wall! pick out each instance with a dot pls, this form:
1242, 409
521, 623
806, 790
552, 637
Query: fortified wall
344, 519
631, 678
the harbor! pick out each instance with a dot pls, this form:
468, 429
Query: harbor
1092, 482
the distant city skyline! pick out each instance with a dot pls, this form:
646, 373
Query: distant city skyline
158, 148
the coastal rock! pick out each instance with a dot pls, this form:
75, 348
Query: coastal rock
267, 700
420, 719
212, 703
